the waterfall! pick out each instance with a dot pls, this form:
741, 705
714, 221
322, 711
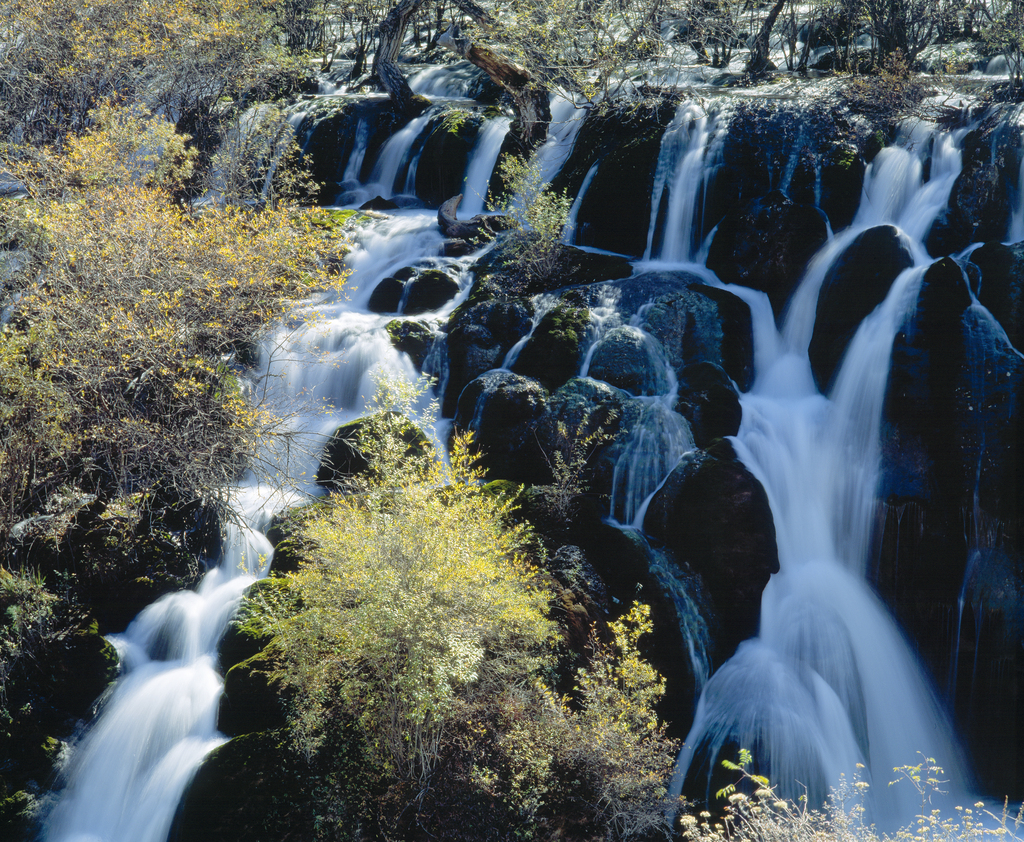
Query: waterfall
395, 154
130, 769
830, 687
679, 183
481, 166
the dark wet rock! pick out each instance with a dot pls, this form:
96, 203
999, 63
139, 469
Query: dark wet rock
412, 338
379, 203
255, 696
693, 322
615, 211
429, 291
252, 788
444, 156
479, 337
386, 296
630, 359
951, 531
502, 410
714, 515
581, 408
766, 245
979, 206
1001, 286
332, 129
554, 351
625, 565
856, 283
454, 247
701, 323
343, 458
709, 402
773, 143
499, 269
842, 178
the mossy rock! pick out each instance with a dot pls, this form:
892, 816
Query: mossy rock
16, 814
343, 459
285, 536
255, 697
554, 352
412, 338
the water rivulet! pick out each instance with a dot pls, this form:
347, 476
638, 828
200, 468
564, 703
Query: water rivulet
808, 390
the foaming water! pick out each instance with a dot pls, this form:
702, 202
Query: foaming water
830, 686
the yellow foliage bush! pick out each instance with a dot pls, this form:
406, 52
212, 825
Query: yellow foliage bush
417, 642
116, 358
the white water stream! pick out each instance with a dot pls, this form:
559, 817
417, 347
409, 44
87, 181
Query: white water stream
830, 686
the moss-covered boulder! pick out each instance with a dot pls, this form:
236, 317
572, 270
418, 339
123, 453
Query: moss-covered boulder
479, 337
412, 338
554, 351
624, 144
255, 697
343, 458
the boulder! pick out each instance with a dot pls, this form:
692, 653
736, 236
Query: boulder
386, 296
252, 788
429, 291
979, 207
444, 156
714, 515
854, 285
951, 536
412, 338
502, 410
343, 459
766, 245
554, 351
332, 129
630, 359
709, 402
1001, 286
479, 337
255, 697
615, 211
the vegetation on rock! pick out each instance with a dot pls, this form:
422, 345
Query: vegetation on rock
421, 657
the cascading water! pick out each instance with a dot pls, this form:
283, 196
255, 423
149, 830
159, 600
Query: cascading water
830, 682
478, 173
679, 184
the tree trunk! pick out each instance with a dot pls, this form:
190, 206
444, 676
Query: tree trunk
390, 35
530, 99
758, 62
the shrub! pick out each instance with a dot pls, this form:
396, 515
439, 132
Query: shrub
417, 641
538, 213
118, 350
